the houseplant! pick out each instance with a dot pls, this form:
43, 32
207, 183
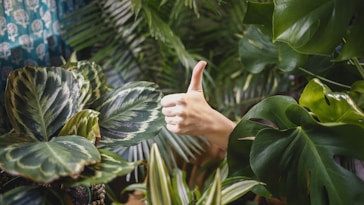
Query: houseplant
305, 149
63, 118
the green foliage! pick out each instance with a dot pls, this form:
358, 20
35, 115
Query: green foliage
162, 188
297, 149
58, 116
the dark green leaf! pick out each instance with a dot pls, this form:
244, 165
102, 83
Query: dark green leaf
299, 161
39, 100
130, 114
46, 161
312, 27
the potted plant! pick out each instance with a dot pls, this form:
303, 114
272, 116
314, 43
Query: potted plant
64, 121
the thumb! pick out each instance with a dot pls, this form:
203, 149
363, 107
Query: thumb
196, 78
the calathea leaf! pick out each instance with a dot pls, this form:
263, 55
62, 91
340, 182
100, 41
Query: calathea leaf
85, 124
298, 161
110, 167
45, 162
39, 100
130, 114
33, 195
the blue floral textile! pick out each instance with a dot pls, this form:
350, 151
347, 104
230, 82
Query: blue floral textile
30, 35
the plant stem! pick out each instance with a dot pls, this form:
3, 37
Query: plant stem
358, 66
324, 79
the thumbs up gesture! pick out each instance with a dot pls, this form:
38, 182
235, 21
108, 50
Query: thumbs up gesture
189, 113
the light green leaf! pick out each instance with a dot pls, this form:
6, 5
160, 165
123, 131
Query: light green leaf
213, 194
158, 183
235, 187
46, 161
40, 100
85, 124
330, 106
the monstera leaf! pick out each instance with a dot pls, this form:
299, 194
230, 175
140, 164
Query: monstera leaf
318, 27
46, 161
39, 100
130, 114
331, 106
258, 52
295, 155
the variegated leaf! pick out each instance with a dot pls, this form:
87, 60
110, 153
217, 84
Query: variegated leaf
94, 74
158, 184
110, 167
130, 114
85, 124
40, 100
46, 161
32, 195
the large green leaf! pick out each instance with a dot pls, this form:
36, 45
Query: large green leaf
33, 195
299, 162
314, 27
130, 114
110, 167
258, 52
242, 137
40, 100
330, 106
46, 161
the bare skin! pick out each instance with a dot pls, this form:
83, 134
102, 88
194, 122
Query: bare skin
190, 114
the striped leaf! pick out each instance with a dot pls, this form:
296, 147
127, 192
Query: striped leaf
40, 100
110, 167
32, 195
130, 114
158, 183
95, 77
85, 124
45, 162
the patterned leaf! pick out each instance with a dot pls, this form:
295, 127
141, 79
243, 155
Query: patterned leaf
130, 114
111, 166
85, 124
94, 75
46, 161
31, 195
40, 100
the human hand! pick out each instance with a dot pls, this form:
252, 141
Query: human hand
186, 113
189, 113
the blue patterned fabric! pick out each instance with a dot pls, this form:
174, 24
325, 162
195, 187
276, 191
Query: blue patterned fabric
30, 35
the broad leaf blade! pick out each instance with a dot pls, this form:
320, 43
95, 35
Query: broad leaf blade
130, 114
298, 162
110, 167
32, 195
235, 187
85, 124
330, 106
46, 161
40, 100
312, 26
